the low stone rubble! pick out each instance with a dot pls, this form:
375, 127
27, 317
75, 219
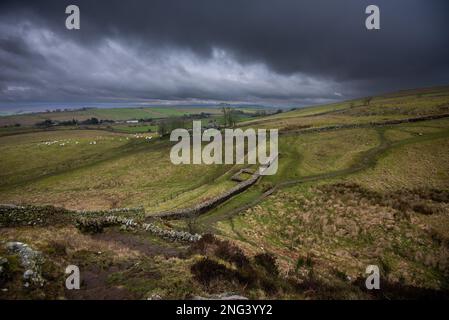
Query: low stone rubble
223, 296
31, 260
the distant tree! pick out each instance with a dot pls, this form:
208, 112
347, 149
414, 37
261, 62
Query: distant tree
68, 123
92, 120
167, 125
45, 123
228, 117
367, 100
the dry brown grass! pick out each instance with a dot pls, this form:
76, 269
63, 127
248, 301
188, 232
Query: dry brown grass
346, 228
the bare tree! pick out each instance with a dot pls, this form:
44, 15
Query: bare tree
228, 116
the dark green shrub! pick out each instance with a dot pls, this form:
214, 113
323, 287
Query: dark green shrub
206, 270
226, 251
422, 208
268, 262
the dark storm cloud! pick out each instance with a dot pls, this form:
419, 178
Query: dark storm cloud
263, 51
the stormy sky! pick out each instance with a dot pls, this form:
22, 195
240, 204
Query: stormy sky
274, 52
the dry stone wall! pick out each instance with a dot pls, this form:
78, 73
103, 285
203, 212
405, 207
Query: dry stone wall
95, 225
209, 204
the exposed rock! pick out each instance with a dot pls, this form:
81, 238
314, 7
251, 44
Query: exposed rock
222, 296
31, 260
4, 265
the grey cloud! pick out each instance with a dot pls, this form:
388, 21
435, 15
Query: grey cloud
291, 52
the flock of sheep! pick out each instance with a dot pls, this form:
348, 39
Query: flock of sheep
65, 142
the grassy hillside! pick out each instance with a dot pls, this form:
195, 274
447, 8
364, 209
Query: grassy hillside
410, 103
343, 198
82, 169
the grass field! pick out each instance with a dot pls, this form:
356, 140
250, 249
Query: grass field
117, 171
135, 128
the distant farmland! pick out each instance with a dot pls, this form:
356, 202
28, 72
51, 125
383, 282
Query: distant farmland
115, 114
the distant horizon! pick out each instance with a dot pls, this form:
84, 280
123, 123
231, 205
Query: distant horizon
40, 107
17, 108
